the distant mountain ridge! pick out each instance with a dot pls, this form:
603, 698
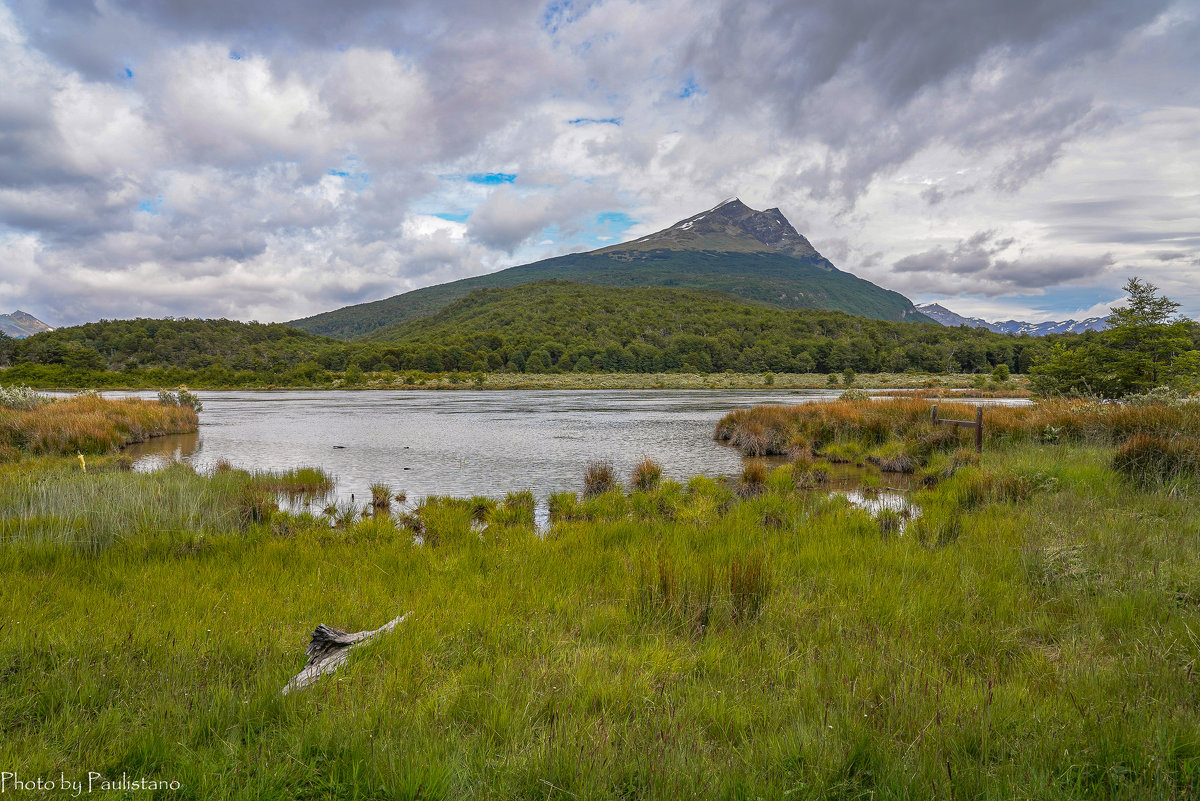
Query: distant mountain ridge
19, 325
755, 256
942, 315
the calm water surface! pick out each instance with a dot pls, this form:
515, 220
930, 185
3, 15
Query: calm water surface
463, 442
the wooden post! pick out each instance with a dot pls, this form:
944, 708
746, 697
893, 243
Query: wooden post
979, 430
933, 415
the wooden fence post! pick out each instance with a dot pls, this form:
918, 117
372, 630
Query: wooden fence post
977, 425
979, 430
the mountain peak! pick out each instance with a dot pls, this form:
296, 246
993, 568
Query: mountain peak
21, 324
730, 226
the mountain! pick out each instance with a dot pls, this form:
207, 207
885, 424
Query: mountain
944, 316
551, 326
19, 325
754, 255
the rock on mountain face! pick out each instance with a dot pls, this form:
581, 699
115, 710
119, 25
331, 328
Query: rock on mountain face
942, 315
729, 227
19, 325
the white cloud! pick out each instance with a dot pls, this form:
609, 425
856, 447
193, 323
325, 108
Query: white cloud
273, 160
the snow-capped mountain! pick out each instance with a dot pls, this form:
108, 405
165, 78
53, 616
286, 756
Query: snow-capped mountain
942, 315
19, 325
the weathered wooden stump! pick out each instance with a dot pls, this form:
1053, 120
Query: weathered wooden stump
329, 649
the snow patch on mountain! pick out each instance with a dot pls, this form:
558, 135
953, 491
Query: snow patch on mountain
941, 314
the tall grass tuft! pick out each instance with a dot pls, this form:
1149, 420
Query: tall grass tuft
749, 586
647, 474
1150, 459
598, 478
255, 505
381, 497
753, 479
312, 482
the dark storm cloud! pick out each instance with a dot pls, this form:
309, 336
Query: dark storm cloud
881, 79
975, 265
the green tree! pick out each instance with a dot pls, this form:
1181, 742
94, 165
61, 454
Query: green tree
1144, 336
1145, 346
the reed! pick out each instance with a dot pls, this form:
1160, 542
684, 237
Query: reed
87, 424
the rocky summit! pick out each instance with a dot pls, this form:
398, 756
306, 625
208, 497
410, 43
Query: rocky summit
729, 227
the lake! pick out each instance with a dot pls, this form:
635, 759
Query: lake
462, 442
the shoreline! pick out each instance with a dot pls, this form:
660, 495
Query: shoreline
1017, 386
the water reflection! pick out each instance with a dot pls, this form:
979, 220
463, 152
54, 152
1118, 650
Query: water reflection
464, 442
159, 452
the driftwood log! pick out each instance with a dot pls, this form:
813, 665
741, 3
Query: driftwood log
330, 648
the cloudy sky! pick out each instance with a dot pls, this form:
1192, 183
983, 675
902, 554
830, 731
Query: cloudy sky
273, 159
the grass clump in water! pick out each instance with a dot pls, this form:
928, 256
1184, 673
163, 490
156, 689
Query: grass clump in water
647, 475
599, 477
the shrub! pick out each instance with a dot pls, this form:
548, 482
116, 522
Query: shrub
20, 397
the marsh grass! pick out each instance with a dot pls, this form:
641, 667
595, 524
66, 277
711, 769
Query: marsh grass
1158, 459
599, 477
765, 430
87, 424
300, 482
646, 475
381, 497
1030, 643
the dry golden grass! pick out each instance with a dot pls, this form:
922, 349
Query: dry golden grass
768, 430
88, 424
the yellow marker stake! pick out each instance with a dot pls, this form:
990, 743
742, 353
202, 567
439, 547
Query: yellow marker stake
82, 464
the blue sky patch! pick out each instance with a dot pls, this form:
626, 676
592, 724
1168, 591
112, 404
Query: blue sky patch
235, 55
453, 216
690, 88
151, 205
606, 228
127, 73
492, 178
556, 14
596, 121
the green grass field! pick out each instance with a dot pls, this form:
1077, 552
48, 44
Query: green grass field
1040, 648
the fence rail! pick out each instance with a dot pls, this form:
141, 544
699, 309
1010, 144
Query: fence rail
976, 424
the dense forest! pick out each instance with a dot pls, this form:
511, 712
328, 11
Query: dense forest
547, 327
